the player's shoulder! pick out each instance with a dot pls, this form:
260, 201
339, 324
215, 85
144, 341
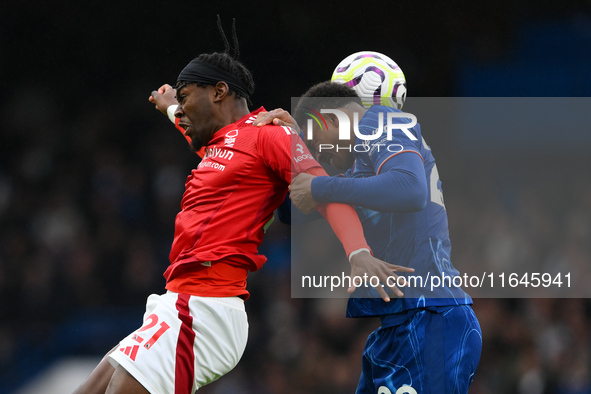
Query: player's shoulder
271, 130
271, 134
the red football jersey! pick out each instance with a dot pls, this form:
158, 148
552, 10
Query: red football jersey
229, 198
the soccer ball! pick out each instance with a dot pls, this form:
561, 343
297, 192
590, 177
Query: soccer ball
375, 77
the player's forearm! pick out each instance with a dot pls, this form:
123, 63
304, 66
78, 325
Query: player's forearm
398, 189
344, 222
346, 225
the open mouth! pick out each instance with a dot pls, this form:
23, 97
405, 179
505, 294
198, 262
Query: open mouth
186, 127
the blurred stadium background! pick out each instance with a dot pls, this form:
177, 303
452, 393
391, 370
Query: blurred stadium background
91, 178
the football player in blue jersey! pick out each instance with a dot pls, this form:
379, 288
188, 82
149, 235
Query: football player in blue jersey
429, 341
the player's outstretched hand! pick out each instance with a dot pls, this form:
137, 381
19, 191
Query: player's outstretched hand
278, 117
300, 193
364, 265
164, 97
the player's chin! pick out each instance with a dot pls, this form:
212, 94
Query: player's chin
196, 143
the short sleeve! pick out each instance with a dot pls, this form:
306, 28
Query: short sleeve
284, 151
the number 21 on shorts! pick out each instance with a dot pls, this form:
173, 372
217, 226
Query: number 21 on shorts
151, 321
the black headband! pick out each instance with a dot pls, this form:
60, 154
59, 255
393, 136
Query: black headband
199, 71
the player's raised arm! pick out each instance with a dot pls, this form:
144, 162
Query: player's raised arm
165, 101
400, 186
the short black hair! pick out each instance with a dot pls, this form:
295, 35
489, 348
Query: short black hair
229, 64
325, 95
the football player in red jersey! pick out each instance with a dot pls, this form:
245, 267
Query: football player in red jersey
196, 332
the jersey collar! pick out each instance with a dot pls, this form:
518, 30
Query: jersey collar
246, 120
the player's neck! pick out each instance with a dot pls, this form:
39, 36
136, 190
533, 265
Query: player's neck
231, 111
238, 110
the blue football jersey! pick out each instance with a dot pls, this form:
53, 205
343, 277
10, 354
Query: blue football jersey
414, 239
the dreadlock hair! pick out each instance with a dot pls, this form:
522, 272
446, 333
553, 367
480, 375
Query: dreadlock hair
226, 62
325, 95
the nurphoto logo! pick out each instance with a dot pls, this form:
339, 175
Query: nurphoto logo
345, 124
345, 129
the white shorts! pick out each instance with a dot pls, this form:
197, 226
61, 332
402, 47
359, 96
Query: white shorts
185, 342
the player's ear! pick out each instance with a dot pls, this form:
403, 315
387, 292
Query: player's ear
221, 90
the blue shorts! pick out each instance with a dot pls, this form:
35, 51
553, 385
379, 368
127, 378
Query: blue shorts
430, 352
